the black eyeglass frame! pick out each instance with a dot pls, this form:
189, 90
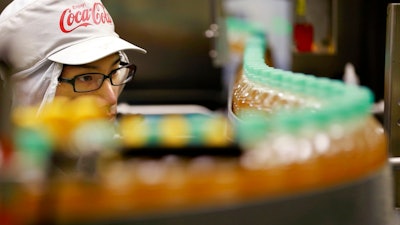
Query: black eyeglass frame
132, 71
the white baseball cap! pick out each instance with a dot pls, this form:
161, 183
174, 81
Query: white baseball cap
68, 32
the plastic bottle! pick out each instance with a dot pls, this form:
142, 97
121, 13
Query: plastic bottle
303, 31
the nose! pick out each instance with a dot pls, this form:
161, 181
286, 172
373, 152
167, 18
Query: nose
108, 93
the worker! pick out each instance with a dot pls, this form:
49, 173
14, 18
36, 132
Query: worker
63, 48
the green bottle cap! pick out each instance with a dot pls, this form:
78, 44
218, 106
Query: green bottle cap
34, 144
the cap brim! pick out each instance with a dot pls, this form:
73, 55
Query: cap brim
91, 50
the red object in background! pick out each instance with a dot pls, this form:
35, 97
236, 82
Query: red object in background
303, 36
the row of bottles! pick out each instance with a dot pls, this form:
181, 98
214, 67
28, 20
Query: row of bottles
316, 129
263, 88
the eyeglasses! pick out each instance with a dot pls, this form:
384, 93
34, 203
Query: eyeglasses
93, 81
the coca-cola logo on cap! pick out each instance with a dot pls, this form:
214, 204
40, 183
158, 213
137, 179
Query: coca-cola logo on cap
82, 15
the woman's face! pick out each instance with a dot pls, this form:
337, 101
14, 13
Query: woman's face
107, 94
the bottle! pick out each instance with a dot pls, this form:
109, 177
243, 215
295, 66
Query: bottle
303, 31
